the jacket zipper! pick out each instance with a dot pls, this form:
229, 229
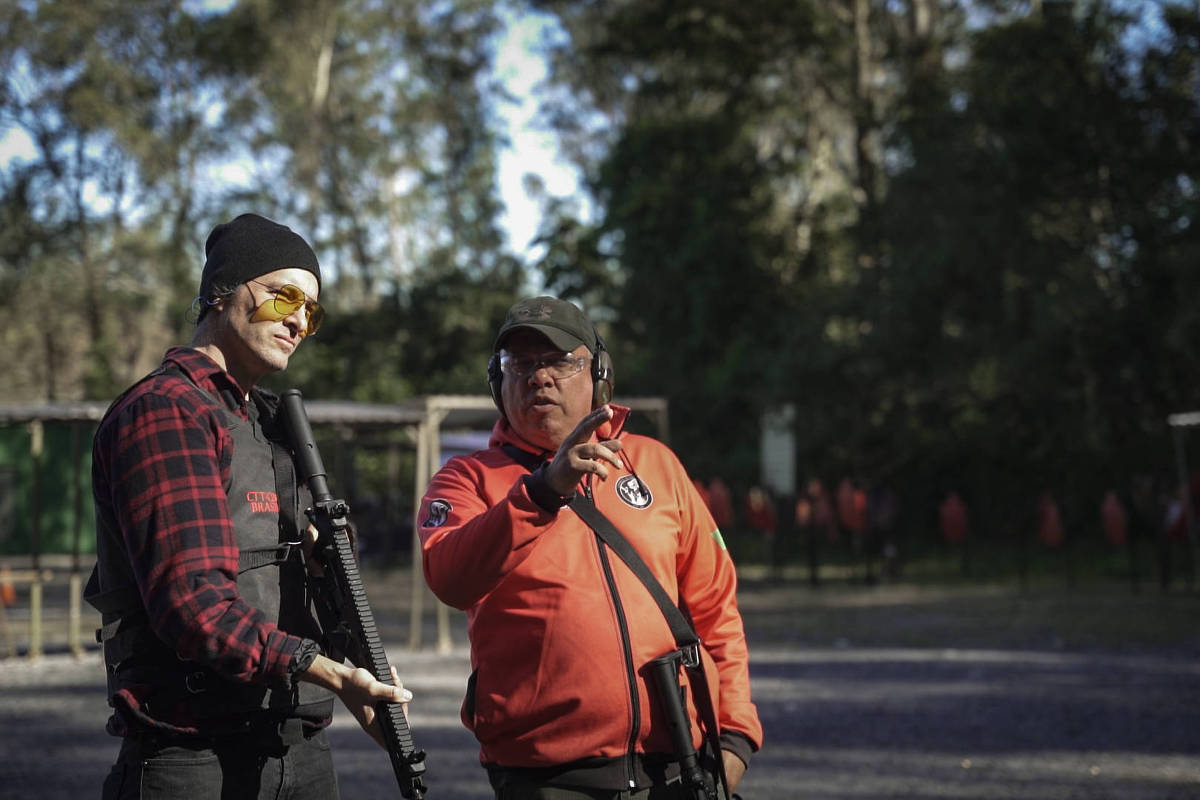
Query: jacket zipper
623, 624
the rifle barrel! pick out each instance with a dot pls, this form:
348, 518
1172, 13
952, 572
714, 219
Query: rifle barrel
304, 446
408, 763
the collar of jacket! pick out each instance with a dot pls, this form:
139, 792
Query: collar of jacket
502, 432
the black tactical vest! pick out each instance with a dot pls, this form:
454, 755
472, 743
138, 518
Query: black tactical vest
265, 504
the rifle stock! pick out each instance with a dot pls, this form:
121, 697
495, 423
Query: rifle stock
342, 593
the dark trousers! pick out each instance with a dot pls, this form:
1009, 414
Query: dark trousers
148, 769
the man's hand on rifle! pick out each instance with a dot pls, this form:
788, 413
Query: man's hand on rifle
358, 690
311, 536
310, 547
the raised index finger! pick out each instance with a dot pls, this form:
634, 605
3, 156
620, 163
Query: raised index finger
586, 427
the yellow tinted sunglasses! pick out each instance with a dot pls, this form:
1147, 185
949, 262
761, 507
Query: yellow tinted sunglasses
285, 301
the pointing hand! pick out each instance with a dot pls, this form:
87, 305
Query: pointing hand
578, 455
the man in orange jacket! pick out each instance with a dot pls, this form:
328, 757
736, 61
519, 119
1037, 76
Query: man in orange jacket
562, 631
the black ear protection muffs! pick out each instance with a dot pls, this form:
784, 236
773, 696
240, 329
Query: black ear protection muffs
495, 377
602, 376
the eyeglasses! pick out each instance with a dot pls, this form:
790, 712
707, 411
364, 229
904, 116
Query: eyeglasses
285, 301
558, 365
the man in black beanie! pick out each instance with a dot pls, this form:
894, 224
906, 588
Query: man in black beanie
218, 684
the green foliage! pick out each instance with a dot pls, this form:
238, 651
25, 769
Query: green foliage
692, 325
963, 254
686, 269
1012, 308
369, 130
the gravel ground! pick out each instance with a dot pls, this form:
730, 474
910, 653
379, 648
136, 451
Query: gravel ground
874, 692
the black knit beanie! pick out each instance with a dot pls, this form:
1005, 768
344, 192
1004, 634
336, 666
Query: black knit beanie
249, 246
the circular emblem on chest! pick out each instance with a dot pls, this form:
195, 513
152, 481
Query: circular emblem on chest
633, 492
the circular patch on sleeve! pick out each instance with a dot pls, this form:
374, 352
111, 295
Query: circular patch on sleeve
439, 512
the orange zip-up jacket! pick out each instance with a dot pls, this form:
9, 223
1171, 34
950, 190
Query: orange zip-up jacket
561, 630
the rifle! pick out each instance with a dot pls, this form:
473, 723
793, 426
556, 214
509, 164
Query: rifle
665, 670
342, 599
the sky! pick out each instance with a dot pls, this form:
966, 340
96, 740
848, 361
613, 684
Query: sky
531, 149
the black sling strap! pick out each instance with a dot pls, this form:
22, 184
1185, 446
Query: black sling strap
681, 629
685, 636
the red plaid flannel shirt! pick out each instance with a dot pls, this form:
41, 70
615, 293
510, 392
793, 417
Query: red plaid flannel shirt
160, 465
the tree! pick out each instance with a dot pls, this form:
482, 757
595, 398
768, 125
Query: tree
367, 126
953, 252
1023, 262
103, 211
696, 263
382, 118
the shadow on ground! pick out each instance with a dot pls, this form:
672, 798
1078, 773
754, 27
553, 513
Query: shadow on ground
875, 692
